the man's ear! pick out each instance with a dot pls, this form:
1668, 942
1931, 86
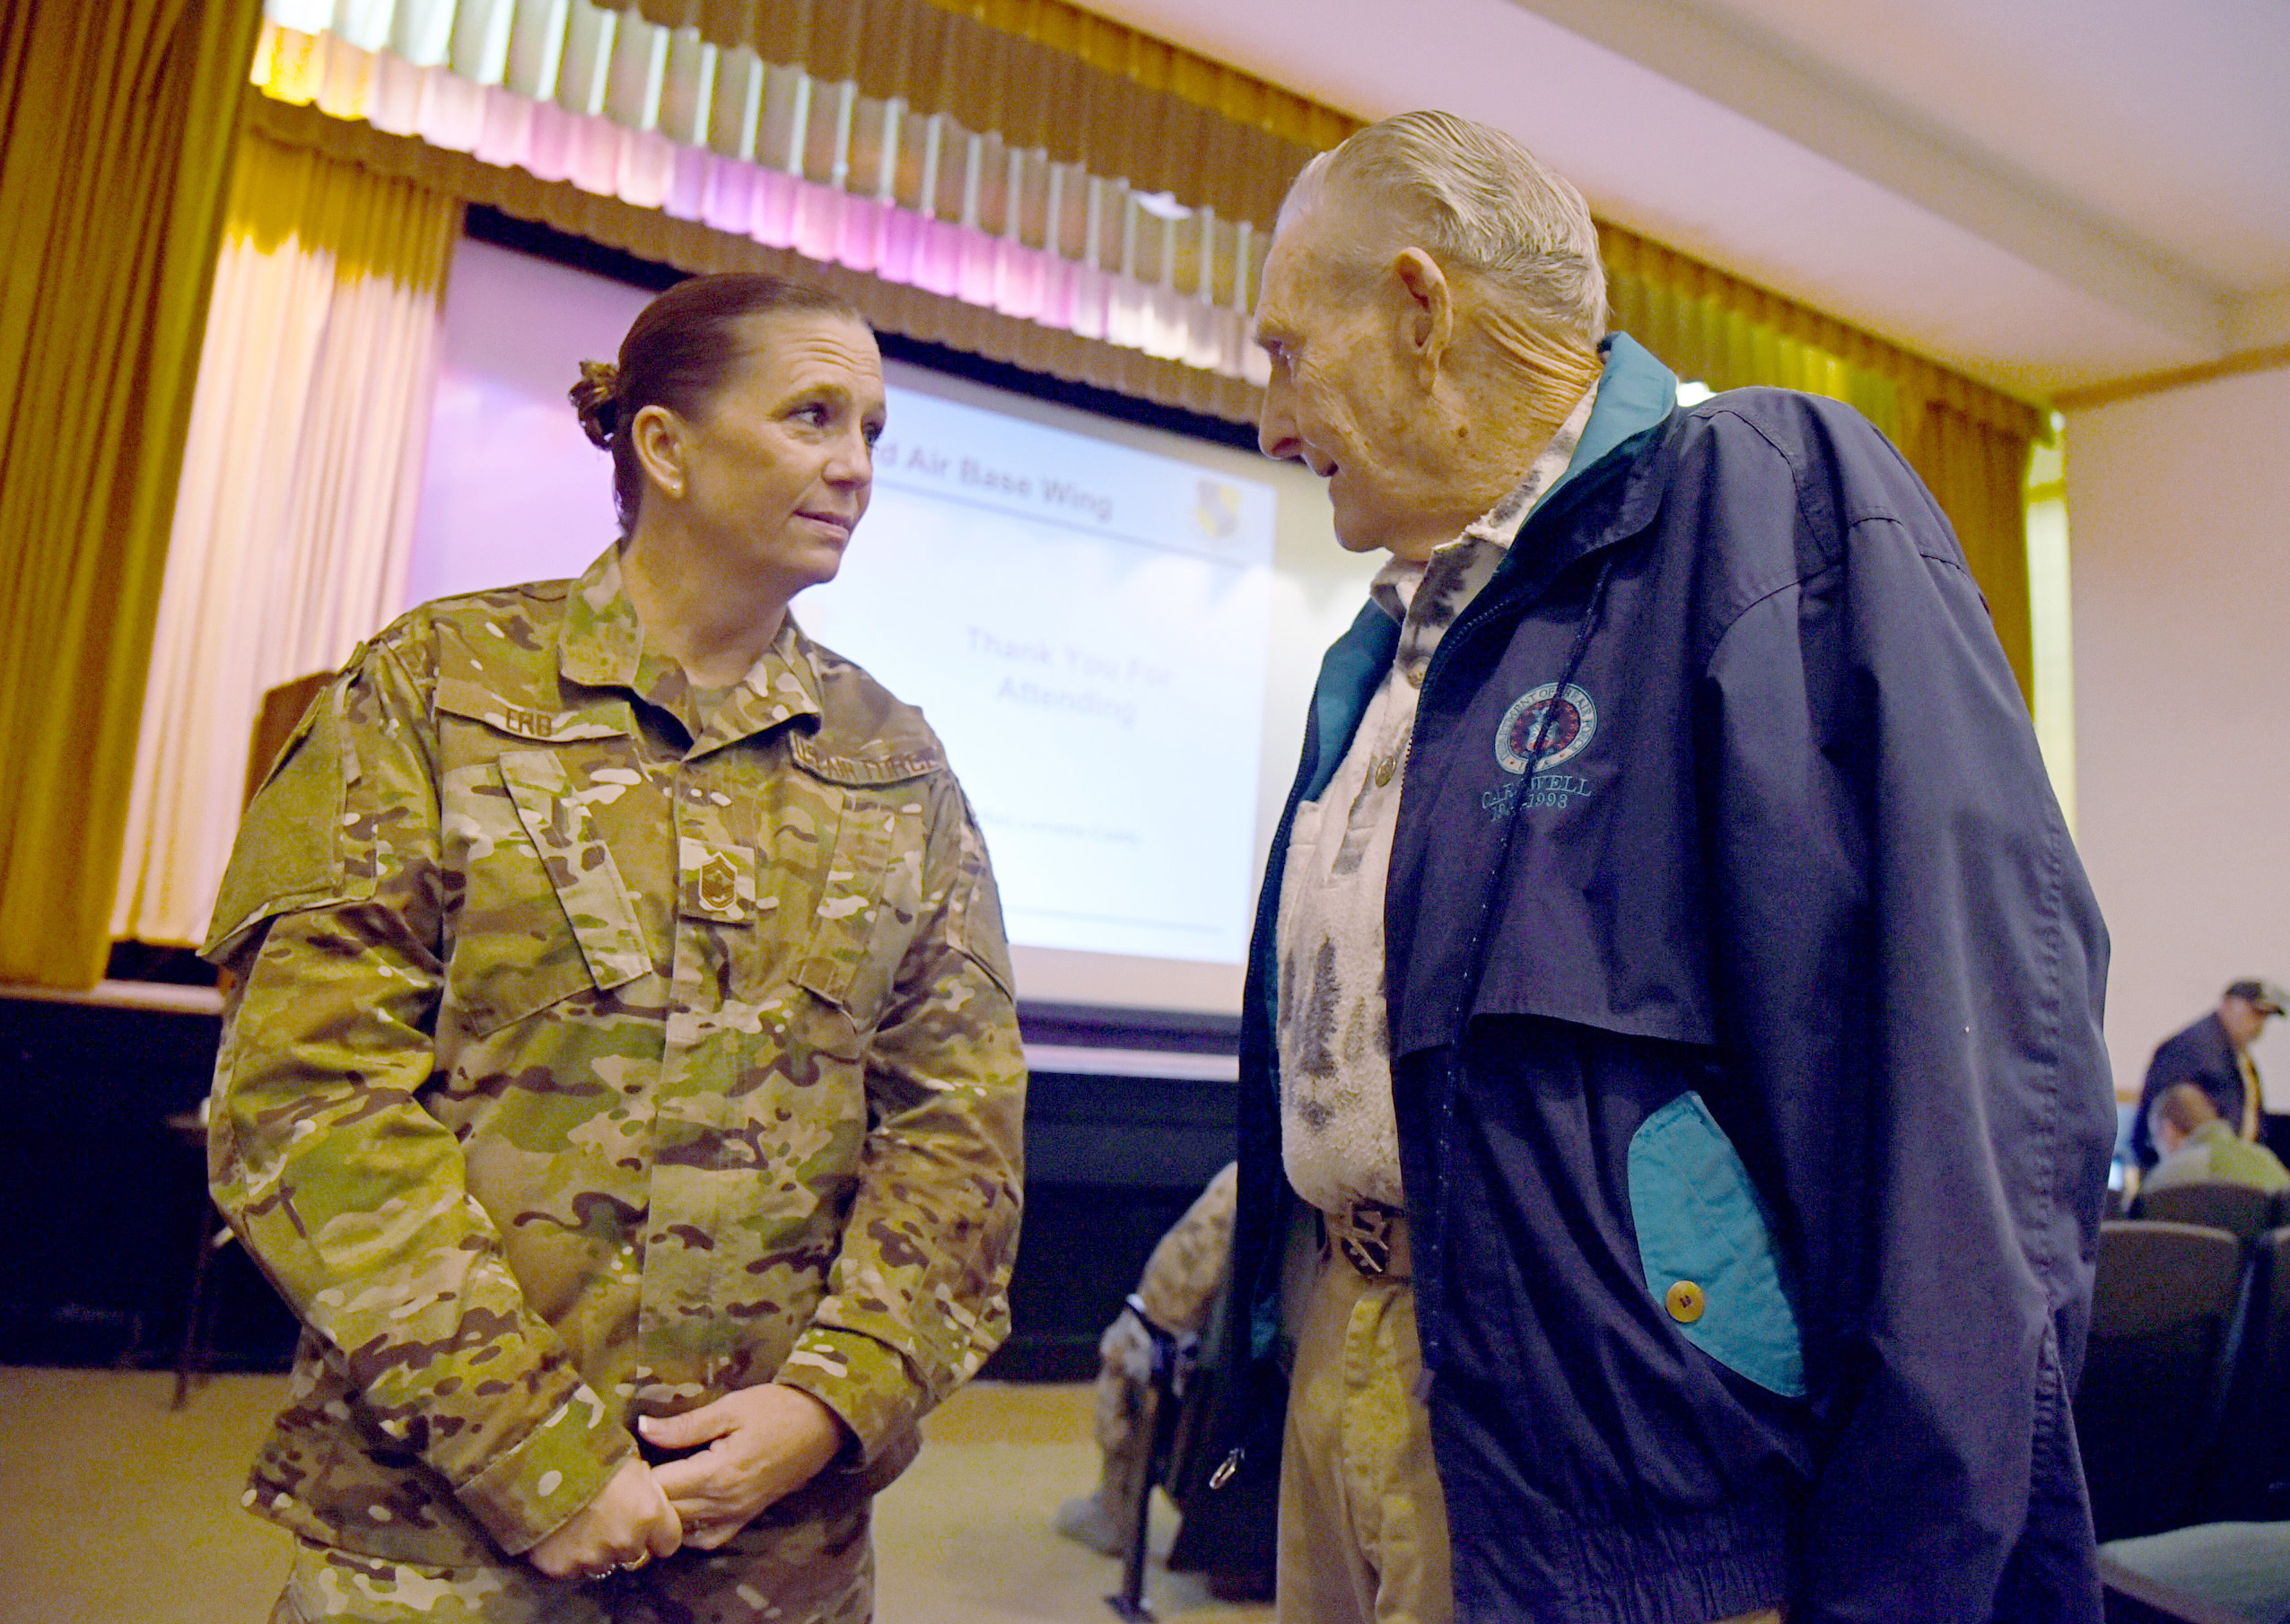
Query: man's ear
658, 435
1429, 312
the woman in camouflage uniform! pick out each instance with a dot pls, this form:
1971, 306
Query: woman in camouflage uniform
621, 1080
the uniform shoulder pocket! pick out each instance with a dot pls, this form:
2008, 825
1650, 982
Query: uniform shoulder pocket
1706, 1244
295, 848
976, 916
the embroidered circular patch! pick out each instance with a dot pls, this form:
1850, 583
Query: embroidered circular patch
1572, 726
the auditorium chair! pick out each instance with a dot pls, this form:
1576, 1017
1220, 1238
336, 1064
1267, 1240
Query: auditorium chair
2249, 1476
2146, 1409
2242, 1211
2215, 1572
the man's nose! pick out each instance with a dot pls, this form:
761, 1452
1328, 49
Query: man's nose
1276, 425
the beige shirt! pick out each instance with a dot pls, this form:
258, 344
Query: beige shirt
1338, 1136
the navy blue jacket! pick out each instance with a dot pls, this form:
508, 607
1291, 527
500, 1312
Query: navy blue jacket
1752, 1109
2204, 1055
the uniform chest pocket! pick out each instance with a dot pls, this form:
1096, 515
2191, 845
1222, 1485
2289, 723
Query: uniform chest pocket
1707, 1246
865, 906
544, 913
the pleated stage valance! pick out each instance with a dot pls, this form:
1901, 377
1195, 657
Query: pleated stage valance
876, 169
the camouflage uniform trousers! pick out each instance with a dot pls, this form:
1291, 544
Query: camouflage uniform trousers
1181, 1283
816, 1572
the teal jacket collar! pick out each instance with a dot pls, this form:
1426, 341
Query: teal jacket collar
1635, 393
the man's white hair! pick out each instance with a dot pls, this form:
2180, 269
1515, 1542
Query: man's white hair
1477, 199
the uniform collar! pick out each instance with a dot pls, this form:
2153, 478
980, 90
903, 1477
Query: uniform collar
783, 684
602, 645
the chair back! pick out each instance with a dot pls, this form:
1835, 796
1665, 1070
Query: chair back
2249, 1472
275, 721
2145, 1412
2237, 1209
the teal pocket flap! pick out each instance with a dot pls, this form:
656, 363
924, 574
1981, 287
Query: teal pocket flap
1707, 1249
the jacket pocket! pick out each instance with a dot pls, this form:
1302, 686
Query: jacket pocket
1706, 1245
544, 921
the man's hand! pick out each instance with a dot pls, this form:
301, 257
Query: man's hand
763, 1444
626, 1525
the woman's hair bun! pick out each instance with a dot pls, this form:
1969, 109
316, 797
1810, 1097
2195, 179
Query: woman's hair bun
597, 397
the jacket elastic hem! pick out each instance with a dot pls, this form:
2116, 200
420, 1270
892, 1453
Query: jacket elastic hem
1691, 1571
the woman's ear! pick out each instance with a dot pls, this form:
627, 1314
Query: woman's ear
659, 437
1428, 309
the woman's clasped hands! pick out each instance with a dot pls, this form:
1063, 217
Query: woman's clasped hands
750, 1448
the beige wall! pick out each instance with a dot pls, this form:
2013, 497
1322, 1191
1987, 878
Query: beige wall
2179, 504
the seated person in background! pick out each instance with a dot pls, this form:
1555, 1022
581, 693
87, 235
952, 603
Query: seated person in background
2215, 1055
1181, 1282
2198, 1145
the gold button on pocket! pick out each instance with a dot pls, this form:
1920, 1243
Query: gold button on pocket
1384, 771
1685, 1302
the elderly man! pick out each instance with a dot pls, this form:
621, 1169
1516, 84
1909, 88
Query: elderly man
1675, 997
2213, 1054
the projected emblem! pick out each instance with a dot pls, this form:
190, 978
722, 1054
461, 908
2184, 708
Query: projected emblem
1215, 508
1571, 728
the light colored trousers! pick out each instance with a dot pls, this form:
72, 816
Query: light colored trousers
1363, 1533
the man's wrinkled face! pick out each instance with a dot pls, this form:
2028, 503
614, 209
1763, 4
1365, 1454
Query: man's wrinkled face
1345, 398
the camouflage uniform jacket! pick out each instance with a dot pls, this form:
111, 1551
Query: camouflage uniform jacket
592, 1057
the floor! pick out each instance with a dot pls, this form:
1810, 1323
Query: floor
115, 1510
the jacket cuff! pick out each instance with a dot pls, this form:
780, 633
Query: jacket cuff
866, 1383
529, 1493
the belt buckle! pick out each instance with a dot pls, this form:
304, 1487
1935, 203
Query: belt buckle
1366, 1240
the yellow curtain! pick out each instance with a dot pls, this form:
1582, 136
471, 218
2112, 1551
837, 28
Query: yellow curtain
300, 482
1978, 470
119, 116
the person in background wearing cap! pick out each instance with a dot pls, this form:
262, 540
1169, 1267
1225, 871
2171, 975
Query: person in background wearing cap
2215, 1055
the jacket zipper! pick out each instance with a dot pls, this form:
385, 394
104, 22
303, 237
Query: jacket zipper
1469, 626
